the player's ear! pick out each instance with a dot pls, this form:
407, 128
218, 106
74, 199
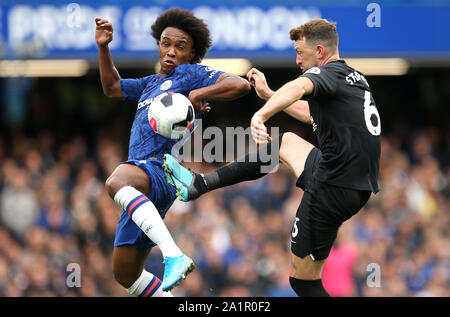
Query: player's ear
320, 51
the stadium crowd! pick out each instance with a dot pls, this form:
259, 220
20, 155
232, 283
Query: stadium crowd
54, 211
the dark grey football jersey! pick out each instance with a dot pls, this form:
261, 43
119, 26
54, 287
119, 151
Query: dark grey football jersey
345, 118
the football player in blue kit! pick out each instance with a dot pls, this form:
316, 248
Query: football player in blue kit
138, 184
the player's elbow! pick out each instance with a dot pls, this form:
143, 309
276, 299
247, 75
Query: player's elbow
302, 85
303, 116
242, 87
112, 91
297, 88
107, 92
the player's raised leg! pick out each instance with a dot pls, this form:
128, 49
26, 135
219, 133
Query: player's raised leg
128, 269
191, 185
293, 152
129, 186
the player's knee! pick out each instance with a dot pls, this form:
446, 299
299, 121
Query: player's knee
127, 175
288, 150
113, 184
126, 279
306, 268
286, 141
288, 137
291, 144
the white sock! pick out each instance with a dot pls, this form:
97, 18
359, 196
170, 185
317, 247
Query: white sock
148, 285
147, 217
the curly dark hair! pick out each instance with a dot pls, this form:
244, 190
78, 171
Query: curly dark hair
184, 20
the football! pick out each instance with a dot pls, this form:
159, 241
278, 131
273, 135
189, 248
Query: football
171, 115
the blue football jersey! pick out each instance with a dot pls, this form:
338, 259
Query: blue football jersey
144, 142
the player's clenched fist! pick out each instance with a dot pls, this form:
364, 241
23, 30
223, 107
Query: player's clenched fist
259, 82
103, 32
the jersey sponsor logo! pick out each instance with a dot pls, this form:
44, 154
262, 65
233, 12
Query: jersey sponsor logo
144, 103
313, 70
166, 85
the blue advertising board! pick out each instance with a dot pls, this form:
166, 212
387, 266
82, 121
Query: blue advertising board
240, 28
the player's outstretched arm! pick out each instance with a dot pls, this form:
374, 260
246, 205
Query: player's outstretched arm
109, 75
285, 96
298, 110
280, 100
227, 87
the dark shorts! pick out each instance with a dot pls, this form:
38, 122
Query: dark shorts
162, 195
321, 212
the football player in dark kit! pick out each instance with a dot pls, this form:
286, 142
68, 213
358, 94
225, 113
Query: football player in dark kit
338, 177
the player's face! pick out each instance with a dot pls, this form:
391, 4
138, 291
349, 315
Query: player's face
306, 57
176, 47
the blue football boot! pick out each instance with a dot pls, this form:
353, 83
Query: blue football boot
185, 181
176, 269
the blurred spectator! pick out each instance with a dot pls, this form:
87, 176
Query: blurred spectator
55, 216
338, 270
18, 205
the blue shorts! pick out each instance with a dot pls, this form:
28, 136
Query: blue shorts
162, 195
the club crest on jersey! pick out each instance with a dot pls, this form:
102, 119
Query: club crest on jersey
313, 70
166, 85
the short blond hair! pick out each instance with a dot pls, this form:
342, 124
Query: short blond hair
317, 31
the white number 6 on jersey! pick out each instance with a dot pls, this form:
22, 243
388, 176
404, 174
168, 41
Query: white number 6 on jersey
368, 112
